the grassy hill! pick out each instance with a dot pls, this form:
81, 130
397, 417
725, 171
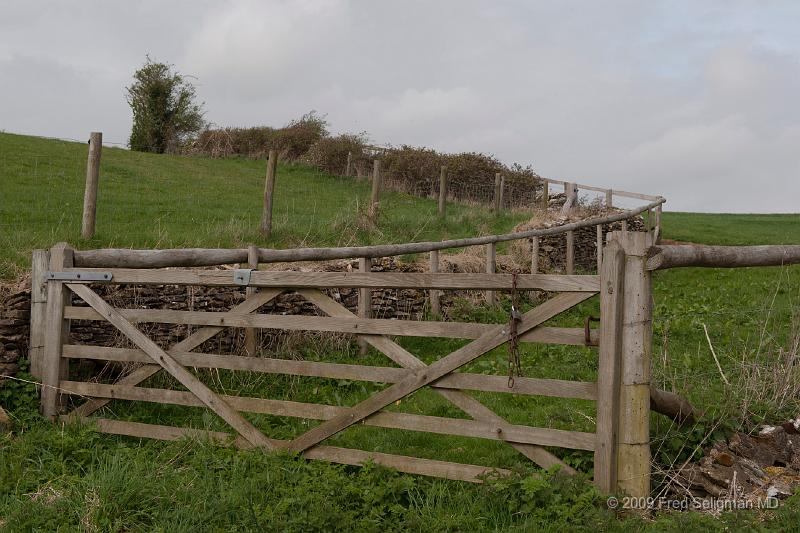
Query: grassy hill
73, 478
161, 201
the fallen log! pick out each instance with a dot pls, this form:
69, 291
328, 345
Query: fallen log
675, 407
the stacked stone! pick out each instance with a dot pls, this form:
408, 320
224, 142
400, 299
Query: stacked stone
15, 312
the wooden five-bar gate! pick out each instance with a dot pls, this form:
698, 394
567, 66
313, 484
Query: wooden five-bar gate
620, 442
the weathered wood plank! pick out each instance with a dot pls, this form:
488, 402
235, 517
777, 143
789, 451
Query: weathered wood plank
186, 378
56, 330
478, 382
39, 265
608, 374
349, 456
410, 422
354, 325
374, 280
426, 376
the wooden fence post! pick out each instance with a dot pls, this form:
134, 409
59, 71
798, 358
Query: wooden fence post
54, 367
633, 469
657, 238
250, 344
376, 188
609, 198
534, 255
39, 265
442, 191
349, 163
364, 299
599, 247
434, 295
502, 191
90, 190
612, 274
571, 198
269, 193
570, 252
545, 194
491, 267
498, 191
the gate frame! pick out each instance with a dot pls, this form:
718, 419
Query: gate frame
621, 449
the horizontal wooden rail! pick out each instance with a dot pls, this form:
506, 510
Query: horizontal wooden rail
477, 382
410, 422
348, 456
376, 280
674, 256
194, 257
364, 326
626, 194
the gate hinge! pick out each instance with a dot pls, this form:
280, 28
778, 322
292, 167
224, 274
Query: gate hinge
241, 276
78, 276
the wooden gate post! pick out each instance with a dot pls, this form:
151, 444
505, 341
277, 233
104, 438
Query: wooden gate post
609, 198
612, 273
633, 468
39, 266
54, 367
442, 191
269, 193
90, 190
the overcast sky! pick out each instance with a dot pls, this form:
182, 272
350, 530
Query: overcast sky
696, 101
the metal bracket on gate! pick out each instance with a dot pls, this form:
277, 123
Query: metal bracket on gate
587, 332
241, 276
78, 276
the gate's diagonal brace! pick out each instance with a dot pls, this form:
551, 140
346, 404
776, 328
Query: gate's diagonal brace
425, 376
186, 345
460, 399
178, 371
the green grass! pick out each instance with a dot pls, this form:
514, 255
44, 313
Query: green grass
72, 478
163, 201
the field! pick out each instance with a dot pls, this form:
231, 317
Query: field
73, 478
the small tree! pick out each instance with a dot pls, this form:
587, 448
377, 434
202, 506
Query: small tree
165, 113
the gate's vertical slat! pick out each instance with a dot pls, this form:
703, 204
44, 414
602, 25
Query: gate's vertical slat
250, 344
434, 295
54, 367
608, 376
39, 265
364, 299
633, 468
491, 268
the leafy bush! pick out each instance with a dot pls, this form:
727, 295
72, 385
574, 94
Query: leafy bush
291, 141
330, 153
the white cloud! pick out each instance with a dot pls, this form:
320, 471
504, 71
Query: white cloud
692, 101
